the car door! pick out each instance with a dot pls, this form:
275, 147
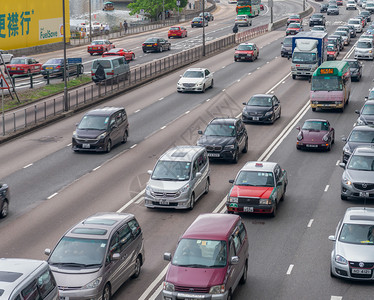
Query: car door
115, 132
236, 270
276, 106
202, 168
240, 135
280, 181
195, 180
208, 78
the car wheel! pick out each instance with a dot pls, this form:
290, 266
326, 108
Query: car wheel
284, 193
138, 266
329, 147
229, 295
91, 54
203, 90
192, 202
125, 136
108, 146
144, 51
243, 279
206, 190
298, 147
161, 49
106, 292
280, 112
313, 109
4, 209
236, 157
211, 85
331, 273
245, 149
343, 197
169, 47
132, 56
274, 213
293, 76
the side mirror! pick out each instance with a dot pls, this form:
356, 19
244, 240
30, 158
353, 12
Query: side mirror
231, 180
344, 139
332, 238
234, 260
167, 256
76, 124
47, 251
199, 174
116, 256
180, 76
332, 129
149, 172
342, 165
244, 103
298, 128
281, 43
357, 111
200, 132
367, 98
279, 183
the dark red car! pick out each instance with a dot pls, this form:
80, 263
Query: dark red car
261, 6
246, 51
315, 134
294, 19
24, 66
177, 31
100, 46
127, 54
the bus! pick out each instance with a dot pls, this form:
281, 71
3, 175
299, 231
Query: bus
331, 86
251, 8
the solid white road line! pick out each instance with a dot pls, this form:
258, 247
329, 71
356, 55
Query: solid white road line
153, 284
50, 197
310, 223
96, 168
290, 269
336, 298
29, 165
138, 110
327, 188
133, 146
163, 127
337, 163
131, 201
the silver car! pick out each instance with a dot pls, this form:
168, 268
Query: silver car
95, 257
353, 253
364, 49
6, 57
358, 176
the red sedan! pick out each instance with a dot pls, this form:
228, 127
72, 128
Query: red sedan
261, 6
100, 46
177, 31
24, 66
315, 134
294, 28
127, 54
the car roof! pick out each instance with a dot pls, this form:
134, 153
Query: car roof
359, 215
224, 121
249, 44
181, 153
196, 69
364, 150
99, 226
263, 95
212, 226
363, 128
316, 120
265, 166
104, 111
365, 40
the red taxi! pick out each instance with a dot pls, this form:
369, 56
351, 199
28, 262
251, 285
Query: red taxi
177, 31
100, 46
261, 6
332, 52
246, 51
294, 28
258, 188
294, 19
23, 66
127, 54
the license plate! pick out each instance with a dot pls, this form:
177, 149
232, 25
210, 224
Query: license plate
312, 146
95, 48
174, 34
213, 154
49, 68
13, 68
86, 146
256, 118
247, 209
64, 298
164, 202
361, 271
364, 194
149, 45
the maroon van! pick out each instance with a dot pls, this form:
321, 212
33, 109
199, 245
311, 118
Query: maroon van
211, 259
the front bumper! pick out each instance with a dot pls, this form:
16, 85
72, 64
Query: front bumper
361, 55
352, 270
195, 88
352, 192
181, 202
286, 53
91, 145
327, 105
166, 295
79, 294
312, 146
243, 57
250, 208
257, 118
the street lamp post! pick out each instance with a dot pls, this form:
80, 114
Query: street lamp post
204, 27
66, 105
90, 9
163, 12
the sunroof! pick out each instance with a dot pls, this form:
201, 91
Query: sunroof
363, 218
96, 221
9, 276
92, 231
179, 154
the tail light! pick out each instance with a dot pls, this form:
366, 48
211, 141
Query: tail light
110, 73
58, 67
92, 74
143, 45
155, 44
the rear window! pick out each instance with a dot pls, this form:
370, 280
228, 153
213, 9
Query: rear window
174, 28
55, 61
104, 63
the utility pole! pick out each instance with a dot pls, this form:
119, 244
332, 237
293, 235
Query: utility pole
66, 105
204, 20
163, 12
90, 13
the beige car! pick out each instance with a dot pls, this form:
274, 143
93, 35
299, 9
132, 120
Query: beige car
243, 20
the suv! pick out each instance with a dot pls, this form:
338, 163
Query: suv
261, 108
352, 256
224, 138
357, 178
100, 129
180, 177
366, 113
4, 200
356, 23
360, 136
317, 19
208, 16
95, 257
243, 20
356, 69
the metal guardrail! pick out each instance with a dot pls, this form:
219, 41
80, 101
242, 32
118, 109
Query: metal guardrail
31, 116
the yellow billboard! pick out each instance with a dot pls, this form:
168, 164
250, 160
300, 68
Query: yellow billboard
28, 23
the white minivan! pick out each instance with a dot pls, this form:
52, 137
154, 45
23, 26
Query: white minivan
364, 49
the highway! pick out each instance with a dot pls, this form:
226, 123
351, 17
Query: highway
53, 188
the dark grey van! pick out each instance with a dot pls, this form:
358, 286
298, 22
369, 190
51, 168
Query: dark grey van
286, 50
100, 129
26, 279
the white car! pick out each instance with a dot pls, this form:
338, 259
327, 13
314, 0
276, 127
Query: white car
318, 28
351, 4
195, 80
356, 23
243, 20
7, 57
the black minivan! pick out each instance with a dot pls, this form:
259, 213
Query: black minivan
100, 129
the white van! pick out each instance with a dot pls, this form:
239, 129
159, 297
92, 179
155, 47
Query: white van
26, 279
181, 176
364, 49
110, 68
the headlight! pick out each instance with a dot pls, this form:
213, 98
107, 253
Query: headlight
299, 137
93, 284
341, 260
169, 286
75, 134
370, 51
347, 150
233, 199
102, 136
184, 189
360, 122
244, 112
346, 180
264, 201
200, 83
229, 147
325, 138
269, 113
149, 190
217, 289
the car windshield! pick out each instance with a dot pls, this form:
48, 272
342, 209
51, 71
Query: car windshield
92, 122
18, 61
294, 17
317, 16
333, 6
104, 63
245, 47
315, 126
353, 64
171, 170
198, 253
362, 136
55, 61
330, 48
364, 45
260, 101
354, 22
304, 57
294, 25
341, 33
79, 252
255, 178
357, 234
174, 28
197, 19
193, 74
326, 83
220, 130
240, 17
97, 43
287, 42
316, 28
361, 163
151, 40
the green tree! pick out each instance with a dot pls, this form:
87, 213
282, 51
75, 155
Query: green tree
153, 8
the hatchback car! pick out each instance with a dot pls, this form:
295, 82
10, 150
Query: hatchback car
24, 66
6, 57
100, 129
243, 20
96, 256
366, 15
356, 69
257, 188
55, 67
319, 28
360, 136
294, 28
177, 31
315, 134
127, 54
155, 44
261, 108
352, 256
100, 46
333, 10
208, 16
224, 138
246, 51
317, 19
294, 19
4, 200
195, 80
199, 22
366, 113
357, 179
332, 51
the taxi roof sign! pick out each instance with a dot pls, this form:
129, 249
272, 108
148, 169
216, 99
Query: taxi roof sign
259, 165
